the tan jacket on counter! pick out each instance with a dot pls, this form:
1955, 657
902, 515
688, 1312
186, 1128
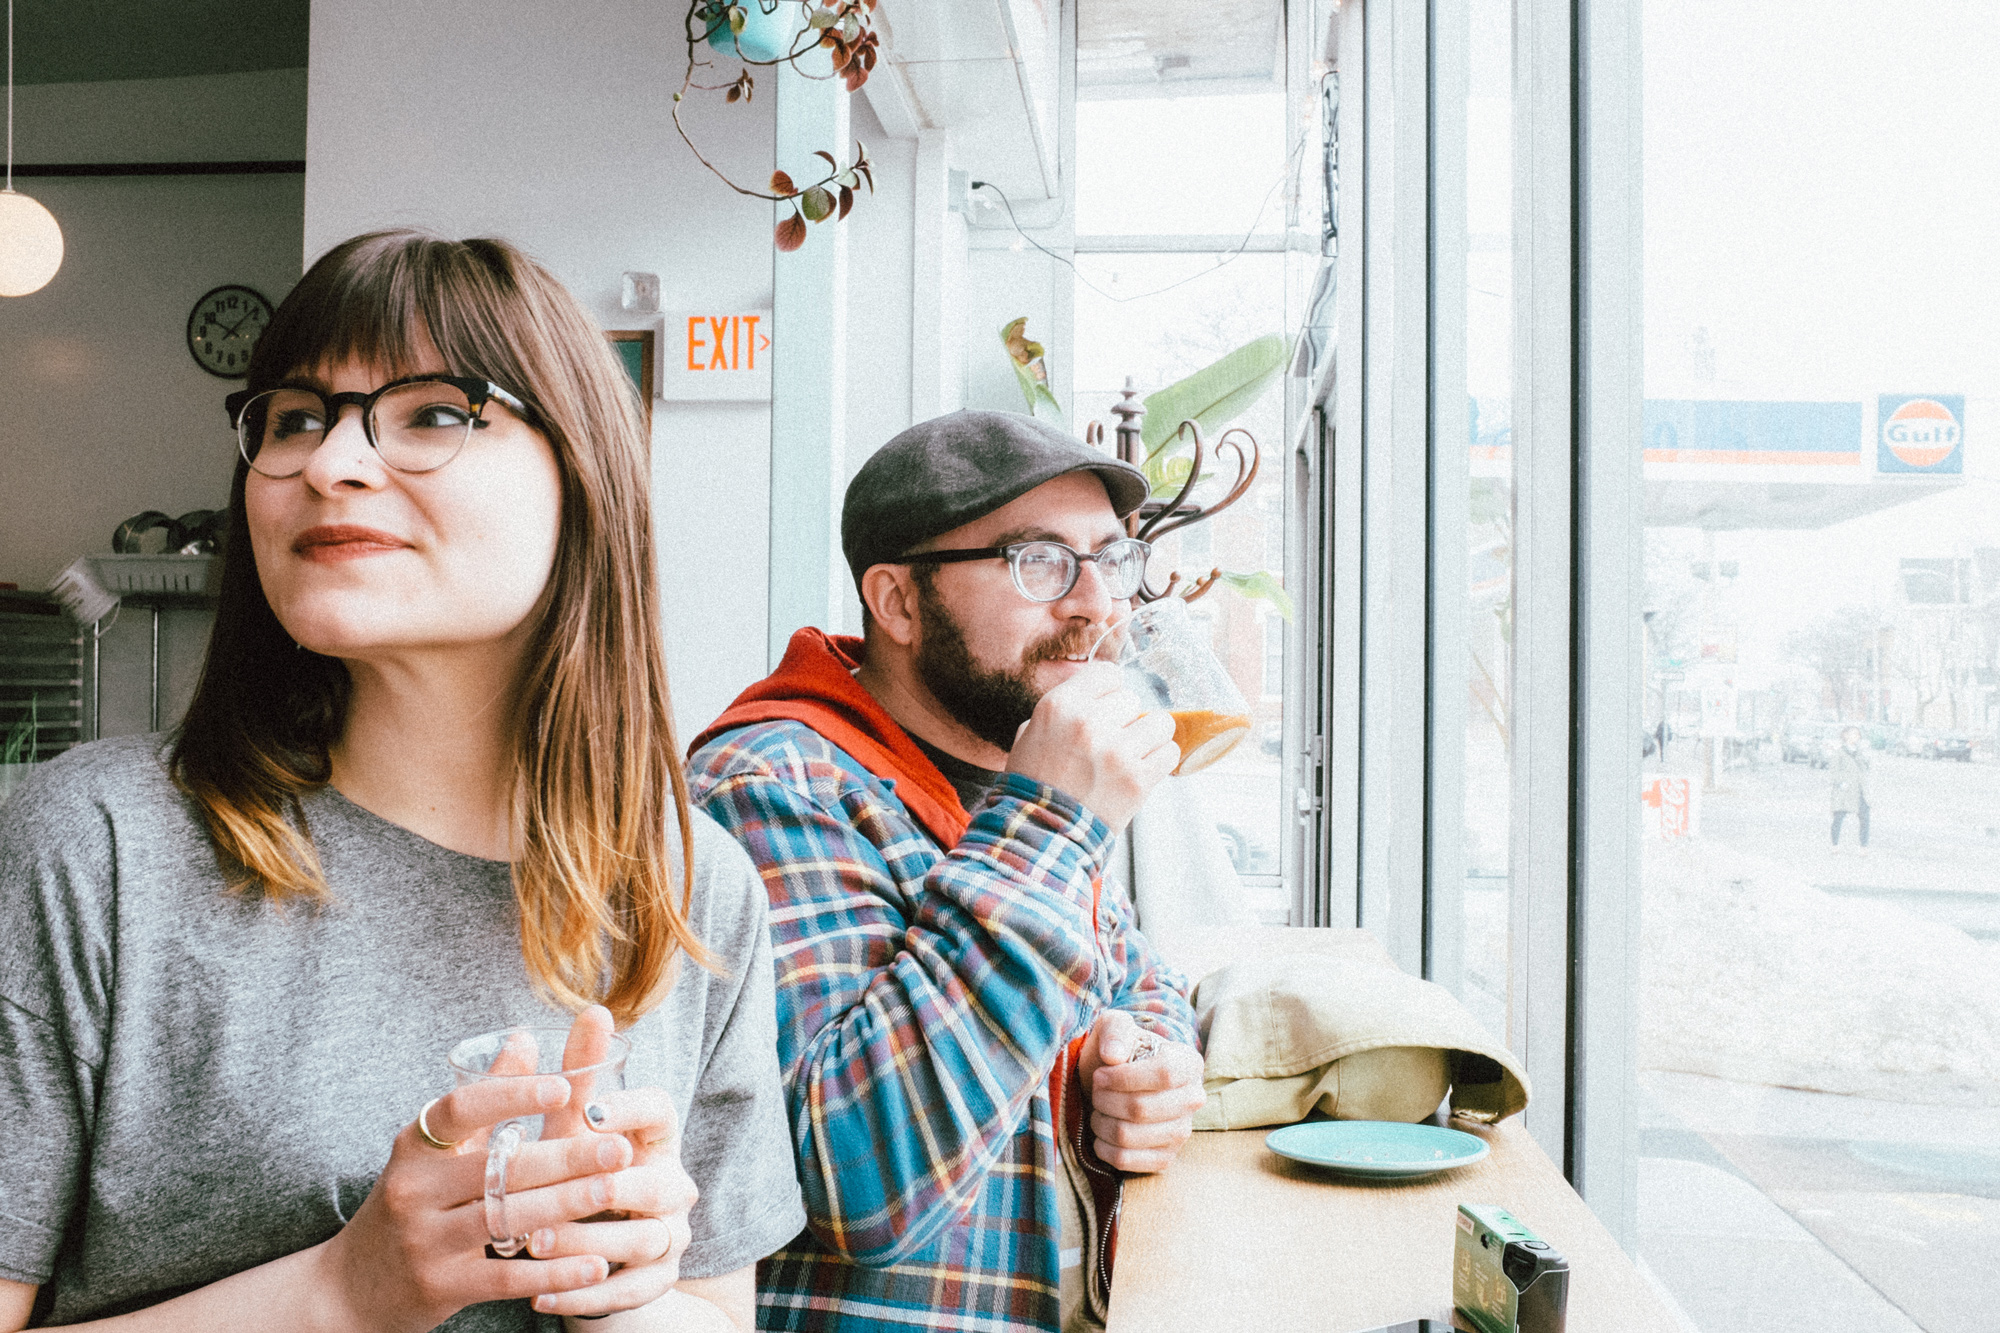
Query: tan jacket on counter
1350, 1036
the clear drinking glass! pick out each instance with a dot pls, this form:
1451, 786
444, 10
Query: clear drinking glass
529, 1052
1169, 664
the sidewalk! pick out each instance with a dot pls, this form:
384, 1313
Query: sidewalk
1772, 1208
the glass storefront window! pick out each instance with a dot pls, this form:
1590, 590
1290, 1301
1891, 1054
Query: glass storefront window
1157, 339
1182, 164
1819, 1042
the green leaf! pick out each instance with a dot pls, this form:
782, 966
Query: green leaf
1262, 586
823, 18
817, 204
1168, 475
1216, 394
1030, 371
738, 17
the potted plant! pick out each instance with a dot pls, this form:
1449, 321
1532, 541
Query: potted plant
769, 33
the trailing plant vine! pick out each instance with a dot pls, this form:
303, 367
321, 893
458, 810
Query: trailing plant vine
844, 29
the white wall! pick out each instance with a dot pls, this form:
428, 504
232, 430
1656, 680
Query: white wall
103, 413
551, 125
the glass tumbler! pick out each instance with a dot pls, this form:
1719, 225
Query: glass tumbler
1168, 663
528, 1052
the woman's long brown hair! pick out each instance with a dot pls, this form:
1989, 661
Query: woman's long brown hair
596, 764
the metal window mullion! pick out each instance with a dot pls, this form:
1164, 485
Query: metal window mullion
1543, 412
1337, 896
1450, 498
1610, 585
1395, 480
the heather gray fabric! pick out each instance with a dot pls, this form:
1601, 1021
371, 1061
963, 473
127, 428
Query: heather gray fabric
952, 469
193, 1083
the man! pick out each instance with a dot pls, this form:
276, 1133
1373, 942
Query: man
976, 1038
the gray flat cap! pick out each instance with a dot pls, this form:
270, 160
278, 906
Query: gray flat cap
955, 468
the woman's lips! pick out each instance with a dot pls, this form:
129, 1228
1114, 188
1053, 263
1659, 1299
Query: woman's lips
344, 541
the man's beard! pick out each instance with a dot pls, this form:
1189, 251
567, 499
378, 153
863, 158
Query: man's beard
991, 704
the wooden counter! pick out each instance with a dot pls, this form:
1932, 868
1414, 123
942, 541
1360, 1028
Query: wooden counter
1233, 1236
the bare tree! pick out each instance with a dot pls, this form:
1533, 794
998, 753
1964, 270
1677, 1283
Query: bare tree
1839, 646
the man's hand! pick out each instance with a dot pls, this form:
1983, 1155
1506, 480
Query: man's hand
1142, 1105
1093, 740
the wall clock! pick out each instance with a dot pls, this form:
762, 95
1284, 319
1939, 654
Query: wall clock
223, 327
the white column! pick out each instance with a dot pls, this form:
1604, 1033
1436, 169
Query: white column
1544, 385
936, 232
808, 377
1604, 1133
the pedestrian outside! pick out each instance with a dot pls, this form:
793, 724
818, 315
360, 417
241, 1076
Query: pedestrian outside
1849, 771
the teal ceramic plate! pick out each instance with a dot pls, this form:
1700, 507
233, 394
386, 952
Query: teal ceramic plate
1376, 1149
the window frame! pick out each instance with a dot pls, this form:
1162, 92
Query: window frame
1380, 472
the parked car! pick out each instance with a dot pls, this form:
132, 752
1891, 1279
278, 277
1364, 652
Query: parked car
1809, 742
1798, 743
1938, 745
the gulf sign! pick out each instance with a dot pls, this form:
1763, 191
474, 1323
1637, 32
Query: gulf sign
716, 356
1920, 433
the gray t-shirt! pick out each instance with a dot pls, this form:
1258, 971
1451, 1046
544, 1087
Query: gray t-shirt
194, 1082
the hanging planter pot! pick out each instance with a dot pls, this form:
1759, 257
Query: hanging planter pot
762, 30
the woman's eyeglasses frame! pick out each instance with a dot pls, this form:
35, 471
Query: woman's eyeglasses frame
478, 392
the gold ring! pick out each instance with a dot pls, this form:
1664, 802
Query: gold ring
424, 1128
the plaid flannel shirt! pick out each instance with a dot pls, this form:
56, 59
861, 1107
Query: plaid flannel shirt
924, 995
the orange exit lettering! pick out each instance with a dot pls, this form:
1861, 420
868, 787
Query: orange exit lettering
724, 342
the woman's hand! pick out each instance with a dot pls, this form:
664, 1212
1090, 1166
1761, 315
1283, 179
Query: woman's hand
415, 1253
643, 1231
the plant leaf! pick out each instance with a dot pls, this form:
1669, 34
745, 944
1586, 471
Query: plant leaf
782, 184
817, 204
1168, 475
1014, 336
791, 233
1216, 394
823, 18
1030, 371
846, 203
830, 161
1262, 586
738, 17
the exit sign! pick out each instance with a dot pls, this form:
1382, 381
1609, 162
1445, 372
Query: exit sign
716, 356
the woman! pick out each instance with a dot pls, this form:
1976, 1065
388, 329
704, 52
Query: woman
1849, 771
427, 787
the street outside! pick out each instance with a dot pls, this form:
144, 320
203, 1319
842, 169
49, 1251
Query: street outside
1820, 1052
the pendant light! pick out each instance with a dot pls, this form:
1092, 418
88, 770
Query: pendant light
31, 244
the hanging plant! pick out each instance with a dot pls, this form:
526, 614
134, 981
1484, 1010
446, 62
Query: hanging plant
785, 32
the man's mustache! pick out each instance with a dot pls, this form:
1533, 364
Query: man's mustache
1068, 643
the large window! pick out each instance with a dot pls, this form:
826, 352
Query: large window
1819, 1038
1186, 194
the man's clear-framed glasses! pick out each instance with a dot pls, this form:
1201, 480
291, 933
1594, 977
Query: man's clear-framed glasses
1045, 571
417, 424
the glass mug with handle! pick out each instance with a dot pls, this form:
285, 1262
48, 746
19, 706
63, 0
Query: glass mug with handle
533, 1052
1168, 663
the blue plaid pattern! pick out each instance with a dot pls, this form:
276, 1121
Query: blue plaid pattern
924, 995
